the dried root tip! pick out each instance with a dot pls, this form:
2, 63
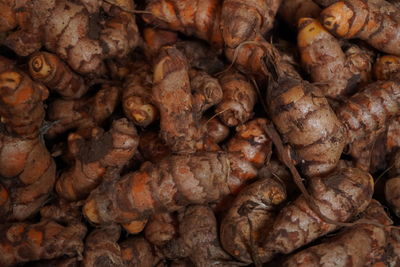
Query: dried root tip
239, 98
101, 248
392, 194
249, 218
387, 68
21, 242
56, 75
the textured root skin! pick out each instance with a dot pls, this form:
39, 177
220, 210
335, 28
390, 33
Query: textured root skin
172, 95
305, 120
393, 247
339, 197
51, 23
22, 108
376, 22
213, 132
102, 249
362, 245
292, 10
55, 74
387, 68
27, 169
239, 98
21, 242
179, 180
245, 21
138, 252
249, 218
8, 20
155, 38
206, 91
152, 147
161, 228
136, 96
322, 56
112, 151
201, 243
370, 110
392, 194
82, 113
181, 16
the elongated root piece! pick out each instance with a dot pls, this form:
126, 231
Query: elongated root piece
96, 158
56, 75
201, 243
323, 58
249, 218
339, 197
26, 167
179, 180
362, 244
376, 22
22, 242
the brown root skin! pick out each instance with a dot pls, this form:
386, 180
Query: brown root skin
318, 140
339, 197
362, 244
387, 68
82, 113
172, 96
40, 24
55, 74
292, 10
6, 64
249, 218
392, 194
239, 98
155, 38
137, 96
375, 22
96, 157
8, 20
201, 243
138, 252
153, 147
102, 249
322, 57
369, 110
22, 242
161, 228
393, 247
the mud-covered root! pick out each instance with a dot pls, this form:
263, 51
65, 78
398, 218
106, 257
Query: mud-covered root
250, 217
392, 194
362, 244
161, 228
22, 242
84, 113
322, 56
102, 249
376, 22
339, 197
239, 98
136, 96
387, 67
293, 10
96, 158
56, 75
201, 243
308, 124
138, 252
172, 96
